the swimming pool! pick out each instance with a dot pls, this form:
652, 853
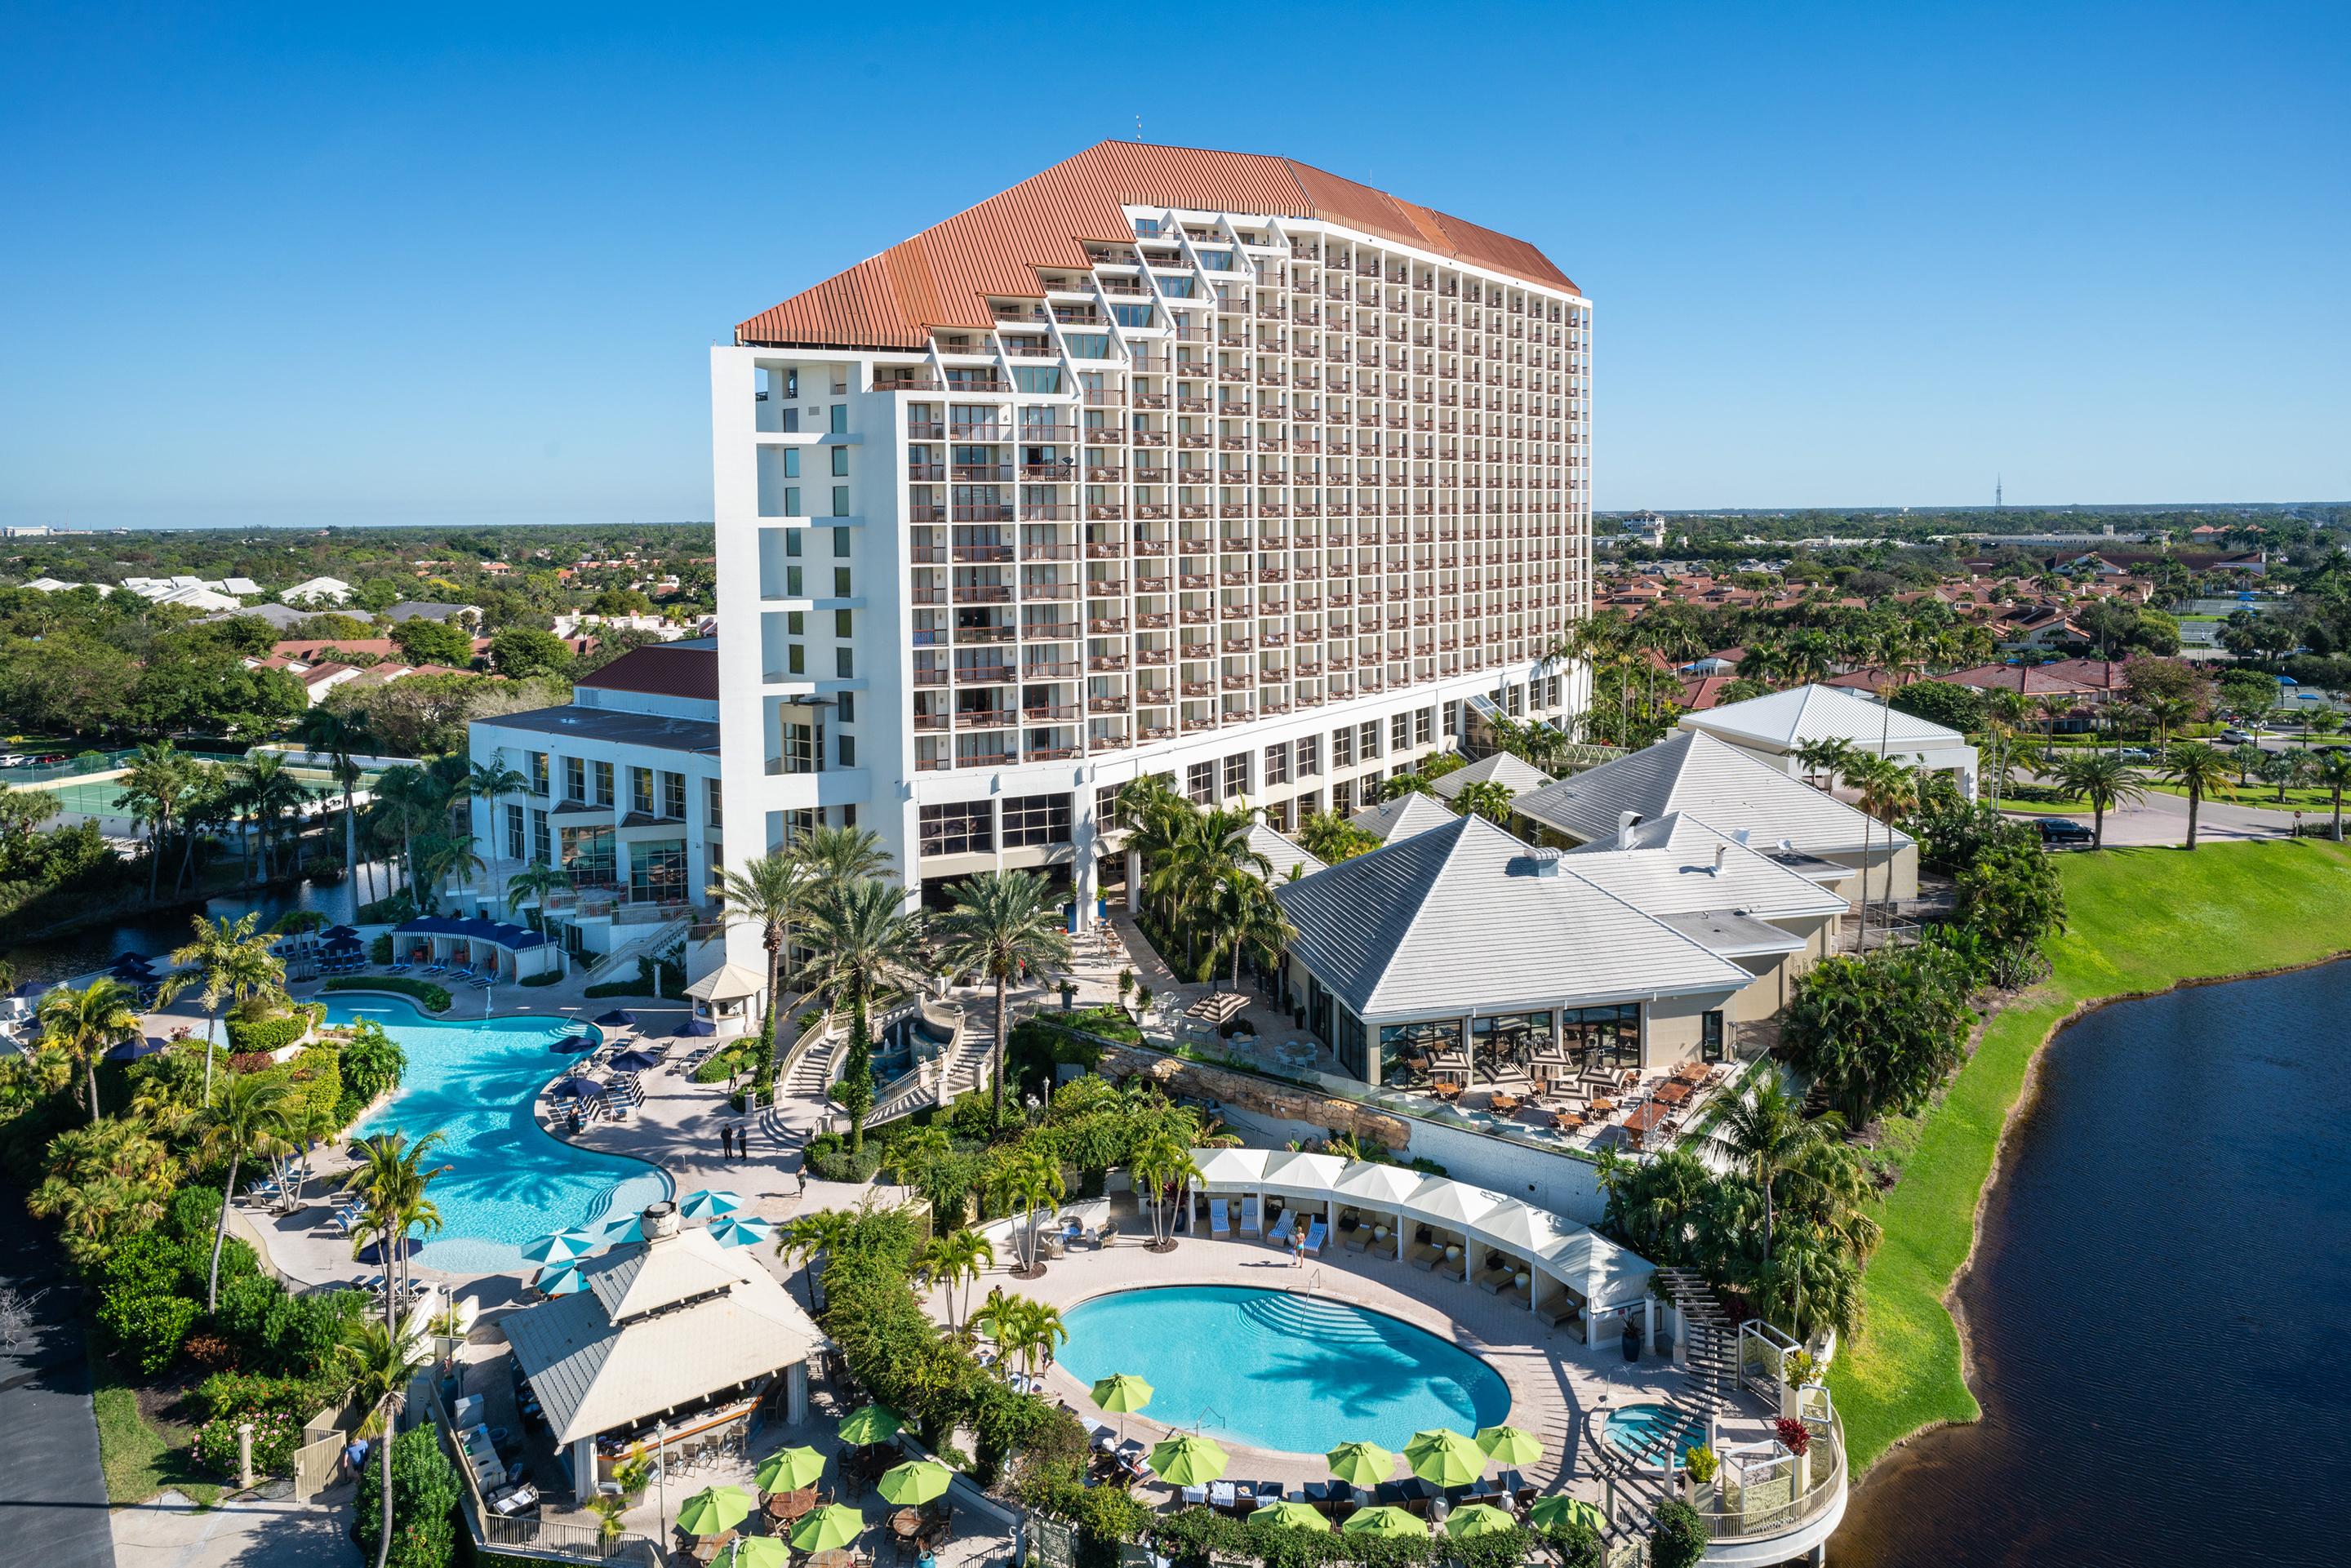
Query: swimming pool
1638, 1427
1273, 1370
475, 1081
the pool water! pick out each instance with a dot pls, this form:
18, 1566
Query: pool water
1273, 1370
475, 1081
1635, 1426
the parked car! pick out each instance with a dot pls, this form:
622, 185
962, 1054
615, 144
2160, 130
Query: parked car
2137, 754
2063, 832
2236, 737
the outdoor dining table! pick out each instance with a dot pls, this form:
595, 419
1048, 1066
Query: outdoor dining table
1645, 1118
1673, 1091
1603, 1107
706, 1547
838, 1557
785, 1506
906, 1523
1504, 1103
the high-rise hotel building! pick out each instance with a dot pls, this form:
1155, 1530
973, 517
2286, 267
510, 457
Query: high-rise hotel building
1208, 465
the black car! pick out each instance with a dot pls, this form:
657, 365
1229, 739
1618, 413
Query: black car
2058, 832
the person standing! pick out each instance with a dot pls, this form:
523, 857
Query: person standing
726, 1142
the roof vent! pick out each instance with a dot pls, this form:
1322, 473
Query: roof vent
658, 1220
1721, 853
1535, 862
1626, 822
1739, 837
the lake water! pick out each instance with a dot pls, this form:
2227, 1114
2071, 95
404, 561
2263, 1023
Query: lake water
2152, 1307
155, 934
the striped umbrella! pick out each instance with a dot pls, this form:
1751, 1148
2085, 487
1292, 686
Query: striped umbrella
707, 1203
562, 1280
562, 1247
742, 1230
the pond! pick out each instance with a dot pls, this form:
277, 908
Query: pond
2151, 1308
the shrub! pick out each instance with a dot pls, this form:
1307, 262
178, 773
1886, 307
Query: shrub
547, 978
145, 1331
372, 1062
1794, 1433
224, 1392
260, 1037
828, 1155
434, 997
1939, 701
195, 1211
1680, 1539
276, 1436
425, 1502
380, 950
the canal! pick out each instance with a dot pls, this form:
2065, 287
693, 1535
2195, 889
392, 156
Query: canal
2150, 1308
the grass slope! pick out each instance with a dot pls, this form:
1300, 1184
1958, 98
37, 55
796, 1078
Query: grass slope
141, 1457
2140, 920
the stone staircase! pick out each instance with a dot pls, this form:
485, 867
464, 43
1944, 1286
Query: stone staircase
1710, 1340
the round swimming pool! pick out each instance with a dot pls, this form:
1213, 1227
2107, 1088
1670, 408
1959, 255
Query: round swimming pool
476, 1080
1274, 1370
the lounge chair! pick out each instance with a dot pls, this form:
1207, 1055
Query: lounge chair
1494, 1281
1253, 1214
1316, 1234
1455, 1268
1219, 1222
1425, 1257
1280, 1235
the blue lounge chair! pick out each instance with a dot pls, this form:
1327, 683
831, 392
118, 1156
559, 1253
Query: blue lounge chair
1316, 1234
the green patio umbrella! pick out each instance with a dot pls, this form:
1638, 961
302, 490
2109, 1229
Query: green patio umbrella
916, 1481
714, 1511
1444, 1458
828, 1528
1478, 1518
755, 1551
869, 1425
1558, 1511
1188, 1460
1360, 1464
1121, 1394
1509, 1446
790, 1470
1385, 1520
1289, 1515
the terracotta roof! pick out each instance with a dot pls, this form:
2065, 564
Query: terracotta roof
943, 277
662, 669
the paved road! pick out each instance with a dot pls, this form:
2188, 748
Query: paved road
52, 1489
2161, 818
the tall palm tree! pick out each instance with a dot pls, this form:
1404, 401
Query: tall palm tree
409, 799
2245, 757
252, 1109
533, 884
1239, 915
1161, 1167
843, 854
1026, 1179
1765, 1133
769, 892
78, 1027
227, 961
153, 787
2004, 710
2333, 776
961, 1256
439, 857
393, 1186
2103, 779
341, 738
2201, 770
492, 781
1889, 794
273, 795
375, 1364
1001, 924
865, 941
817, 1234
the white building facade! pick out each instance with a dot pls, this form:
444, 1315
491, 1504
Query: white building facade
1203, 464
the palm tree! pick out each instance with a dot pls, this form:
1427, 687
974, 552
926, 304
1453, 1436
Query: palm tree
842, 854
2169, 713
153, 787
409, 798
1027, 1180
273, 795
811, 1235
1239, 915
2245, 758
1001, 925
1823, 759
866, 940
534, 883
440, 856
1161, 1167
2333, 776
340, 737
228, 961
80, 1026
769, 892
493, 782
1765, 1133
1486, 797
375, 1361
2282, 768
2198, 769
2103, 779
2003, 711
252, 1108
394, 1183
962, 1256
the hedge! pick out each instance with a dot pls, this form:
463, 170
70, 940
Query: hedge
265, 1035
434, 997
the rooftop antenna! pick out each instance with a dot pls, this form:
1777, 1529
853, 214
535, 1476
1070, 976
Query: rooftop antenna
1997, 498
1138, 128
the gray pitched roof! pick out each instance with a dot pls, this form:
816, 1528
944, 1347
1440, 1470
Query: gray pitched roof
1392, 820
1280, 854
1727, 789
1512, 773
1782, 721
1678, 865
1461, 918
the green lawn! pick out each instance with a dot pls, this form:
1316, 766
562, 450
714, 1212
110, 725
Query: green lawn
143, 1457
2141, 920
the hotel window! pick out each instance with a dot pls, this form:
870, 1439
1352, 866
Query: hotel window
1400, 732
1309, 762
1034, 820
714, 803
1236, 774
792, 501
841, 542
1342, 748
1277, 816
1420, 727
1200, 783
846, 746
673, 792
602, 773
1131, 315
840, 590
641, 790
515, 829
845, 707
1452, 721
1368, 739
657, 871
588, 856
803, 747
1508, 1041
839, 419
1342, 798
791, 462
1412, 1053
840, 462
1709, 1037
539, 772
1108, 817
1277, 764
844, 664
1602, 1037
542, 845
575, 780
841, 624
792, 589
1036, 378
840, 501
1088, 345
959, 828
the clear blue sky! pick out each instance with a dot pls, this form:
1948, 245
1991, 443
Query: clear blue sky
339, 263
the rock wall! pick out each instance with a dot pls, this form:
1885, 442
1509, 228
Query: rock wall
1266, 1098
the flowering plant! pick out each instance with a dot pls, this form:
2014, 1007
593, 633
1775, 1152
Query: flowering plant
1795, 1435
275, 1438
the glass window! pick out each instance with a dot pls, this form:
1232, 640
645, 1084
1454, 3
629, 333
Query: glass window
1200, 783
1309, 762
1131, 315
846, 746
1508, 1042
1420, 727
1412, 1054
1107, 815
1602, 1039
1035, 820
1176, 288
641, 790
792, 501
839, 419
602, 774
839, 543
1710, 1040
1342, 748
587, 855
539, 772
1036, 378
575, 779
714, 803
657, 871
515, 829
1277, 764
840, 501
791, 462
542, 846
958, 827
1400, 732
1368, 740
673, 788
840, 462
1236, 774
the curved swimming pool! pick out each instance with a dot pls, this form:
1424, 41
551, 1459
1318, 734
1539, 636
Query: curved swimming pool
476, 1080
1273, 1370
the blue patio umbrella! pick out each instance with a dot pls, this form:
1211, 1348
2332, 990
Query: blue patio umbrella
742, 1230
618, 1017
132, 963
635, 1062
131, 956
577, 1087
132, 1050
337, 932
574, 1044
562, 1246
705, 1203
698, 1026
564, 1279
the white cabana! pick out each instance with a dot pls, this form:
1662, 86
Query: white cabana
1602, 1280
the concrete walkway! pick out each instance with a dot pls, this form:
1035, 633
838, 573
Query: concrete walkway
51, 1482
239, 1533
